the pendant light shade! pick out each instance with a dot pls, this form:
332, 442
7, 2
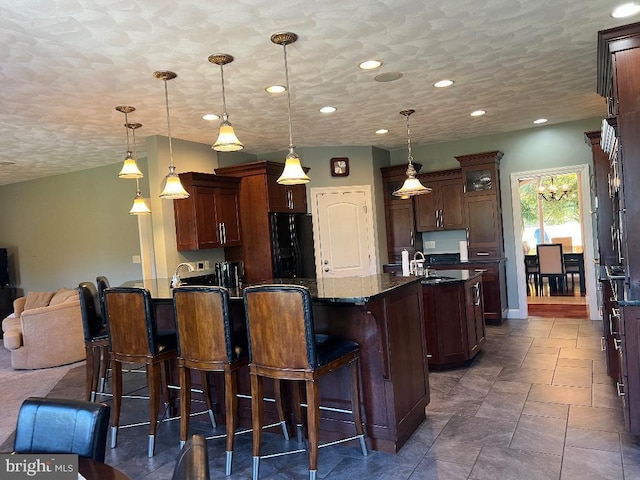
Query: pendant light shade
411, 185
227, 140
293, 173
129, 167
140, 206
173, 189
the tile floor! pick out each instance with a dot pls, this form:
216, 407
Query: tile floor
536, 403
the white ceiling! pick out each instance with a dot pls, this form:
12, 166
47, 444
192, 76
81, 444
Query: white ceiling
65, 65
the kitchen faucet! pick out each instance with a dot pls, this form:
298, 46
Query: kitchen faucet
418, 265
175, 280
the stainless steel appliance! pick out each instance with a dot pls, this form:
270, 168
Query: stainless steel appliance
292, 245
230, 274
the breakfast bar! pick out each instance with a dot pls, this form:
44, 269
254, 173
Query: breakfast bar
384, 314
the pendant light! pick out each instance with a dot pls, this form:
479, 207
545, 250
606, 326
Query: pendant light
227, 140
292, 174
140, 206
411, 185
129, 167
173, 189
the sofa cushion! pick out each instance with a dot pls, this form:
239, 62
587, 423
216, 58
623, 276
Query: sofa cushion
63, 295
12, 339
37, 299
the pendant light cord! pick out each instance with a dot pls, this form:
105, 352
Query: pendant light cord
409, 140
135, 154
166, 98
224, 101
286, 76
126, 126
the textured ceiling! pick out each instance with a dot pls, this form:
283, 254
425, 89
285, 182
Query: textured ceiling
65, 65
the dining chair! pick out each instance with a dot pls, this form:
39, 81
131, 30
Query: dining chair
134, 339
193, 460
551, 266
96, 339
56, 425
532, 272
283, 346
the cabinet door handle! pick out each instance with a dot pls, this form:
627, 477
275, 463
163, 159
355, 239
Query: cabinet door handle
476, 286
620, 389
220, 233
480, 270
617, 344
611, 331
602, 344
224, 229
436, 214
411, 238
482, 254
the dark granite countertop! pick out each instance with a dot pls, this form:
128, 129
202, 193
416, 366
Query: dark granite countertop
443, 277
335, 290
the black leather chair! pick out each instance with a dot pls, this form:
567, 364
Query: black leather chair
283, 346
96, 339
102, 284
193, 460
52, 425
134, 339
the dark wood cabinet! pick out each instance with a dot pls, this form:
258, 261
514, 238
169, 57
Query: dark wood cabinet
261, 195
442, 209
482, 204
454, 322
399, 214
618, 82
494, 286
210, 217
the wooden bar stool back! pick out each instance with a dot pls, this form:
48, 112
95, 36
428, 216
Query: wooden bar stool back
134, 339
283, 345
96, 339
207, 342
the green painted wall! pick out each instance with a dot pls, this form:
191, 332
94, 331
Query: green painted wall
66, 229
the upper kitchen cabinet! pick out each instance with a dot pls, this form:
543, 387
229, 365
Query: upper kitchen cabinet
279, 198
261, 195
210, 217
482, 207
442, 209
399, 214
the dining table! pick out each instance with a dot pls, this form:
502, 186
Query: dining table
573, 264
96, 470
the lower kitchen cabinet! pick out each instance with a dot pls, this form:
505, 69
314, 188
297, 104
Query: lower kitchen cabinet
454, 321
494, 286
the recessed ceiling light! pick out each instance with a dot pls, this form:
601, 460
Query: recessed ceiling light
382, 131
210, 117
276, 89
443, 83
477, 113
625, 10
370, 64
540, 120
387, 77
328, 109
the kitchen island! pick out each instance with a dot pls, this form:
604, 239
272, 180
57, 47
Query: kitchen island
384, 314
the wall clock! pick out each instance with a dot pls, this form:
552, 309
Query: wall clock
339, 167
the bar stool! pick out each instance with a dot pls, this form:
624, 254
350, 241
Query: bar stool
283, 345
133, 337
96, 339
102, 284
208, 343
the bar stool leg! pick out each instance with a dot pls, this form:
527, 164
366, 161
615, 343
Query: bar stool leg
90, 389
231, 407
104, 363
313, 426
116, 369
153, 381
277, 388
354, 369
257, 412
185, 403
206, 392
296, 393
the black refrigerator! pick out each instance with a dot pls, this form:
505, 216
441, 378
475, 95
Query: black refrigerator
292, 245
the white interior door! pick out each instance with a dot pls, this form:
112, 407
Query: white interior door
343, 231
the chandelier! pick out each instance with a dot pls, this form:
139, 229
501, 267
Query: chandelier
411, 186
550, 192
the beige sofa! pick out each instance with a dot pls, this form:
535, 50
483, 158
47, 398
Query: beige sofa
45, 330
